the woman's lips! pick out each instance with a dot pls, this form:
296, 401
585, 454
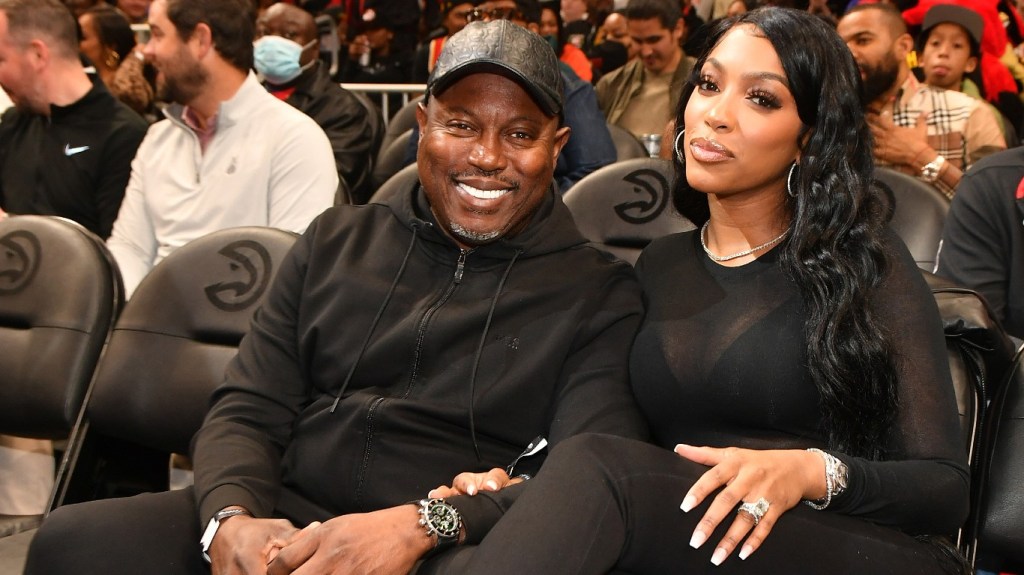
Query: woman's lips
705, 150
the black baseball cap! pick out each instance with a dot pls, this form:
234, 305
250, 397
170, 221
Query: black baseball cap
501, 47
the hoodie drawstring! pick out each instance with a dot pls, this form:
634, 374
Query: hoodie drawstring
480, 351
376, 319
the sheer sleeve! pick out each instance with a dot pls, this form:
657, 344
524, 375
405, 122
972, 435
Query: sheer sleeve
923, 486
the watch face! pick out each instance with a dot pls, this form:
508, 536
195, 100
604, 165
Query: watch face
443, 518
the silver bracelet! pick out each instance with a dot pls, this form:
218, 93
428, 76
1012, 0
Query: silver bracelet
835, 479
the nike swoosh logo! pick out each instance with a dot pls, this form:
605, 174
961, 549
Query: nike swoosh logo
69, 151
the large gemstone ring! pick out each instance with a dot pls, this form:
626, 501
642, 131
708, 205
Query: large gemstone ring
756, 510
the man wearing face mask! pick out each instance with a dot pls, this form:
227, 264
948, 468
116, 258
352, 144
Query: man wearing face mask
285, 55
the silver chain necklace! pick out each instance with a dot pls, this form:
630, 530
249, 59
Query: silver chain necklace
747, 252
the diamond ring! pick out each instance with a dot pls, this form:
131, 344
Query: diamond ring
756, 510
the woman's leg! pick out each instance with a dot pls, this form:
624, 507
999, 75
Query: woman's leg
604, 504
155, 534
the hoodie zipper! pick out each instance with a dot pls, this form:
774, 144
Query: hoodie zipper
367, 445
421, 332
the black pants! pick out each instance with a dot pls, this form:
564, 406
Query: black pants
604, 504
601, 504
152, 534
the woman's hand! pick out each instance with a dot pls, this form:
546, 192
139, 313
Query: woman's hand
472, 483
782, 477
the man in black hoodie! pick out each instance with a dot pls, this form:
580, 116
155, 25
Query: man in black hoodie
458, 326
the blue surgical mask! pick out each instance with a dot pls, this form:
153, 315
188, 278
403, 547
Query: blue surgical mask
277, 59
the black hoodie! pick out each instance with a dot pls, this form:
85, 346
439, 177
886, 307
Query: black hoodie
386, 360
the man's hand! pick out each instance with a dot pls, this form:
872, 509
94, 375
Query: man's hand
472, 483
243, 545
389, 541
898, 145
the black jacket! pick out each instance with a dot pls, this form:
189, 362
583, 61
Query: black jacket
983, 241
436, 355
343, 119
74, 163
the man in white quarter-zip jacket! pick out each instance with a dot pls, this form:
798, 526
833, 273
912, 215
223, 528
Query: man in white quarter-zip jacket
228, 153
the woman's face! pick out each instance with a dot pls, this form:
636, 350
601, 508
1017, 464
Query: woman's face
742, 125
90, 43
548, 22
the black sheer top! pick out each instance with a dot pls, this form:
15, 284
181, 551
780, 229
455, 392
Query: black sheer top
720, 361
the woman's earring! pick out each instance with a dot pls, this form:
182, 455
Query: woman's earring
675, 147
789, 181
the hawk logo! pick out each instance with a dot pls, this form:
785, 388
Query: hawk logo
655, 186
20, 252
250, 268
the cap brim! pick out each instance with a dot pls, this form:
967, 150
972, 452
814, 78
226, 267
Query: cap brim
547, 103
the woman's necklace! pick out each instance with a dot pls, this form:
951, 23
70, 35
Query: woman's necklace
767, 244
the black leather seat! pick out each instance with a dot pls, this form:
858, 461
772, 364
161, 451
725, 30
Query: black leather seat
376, 137
625, 205
999, 535
627, 146
60, 293
166, 354
403, 120
391, 159
918, 213
402, 181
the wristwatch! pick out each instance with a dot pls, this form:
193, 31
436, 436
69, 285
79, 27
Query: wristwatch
440, 518
214, 525
933, 169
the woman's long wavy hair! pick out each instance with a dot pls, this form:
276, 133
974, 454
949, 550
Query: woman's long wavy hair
834, 253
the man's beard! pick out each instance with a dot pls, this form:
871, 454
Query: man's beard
880, 78
185, 86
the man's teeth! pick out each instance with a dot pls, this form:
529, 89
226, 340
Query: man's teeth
483, 194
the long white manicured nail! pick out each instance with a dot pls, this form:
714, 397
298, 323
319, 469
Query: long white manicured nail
718, 557
697, 539
746, 551
688, 503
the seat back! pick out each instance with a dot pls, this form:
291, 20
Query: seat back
627, 146
391, 159
625, 205
403, 120
376, 137
404, 180
166, 354
999, 540
59, 295
918, 213
169, 349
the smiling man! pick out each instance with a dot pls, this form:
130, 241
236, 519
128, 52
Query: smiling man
641, 95
445, 329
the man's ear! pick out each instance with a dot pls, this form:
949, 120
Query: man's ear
38, 54
561, 138
421, 117
903, 45
201, 40
679, 31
